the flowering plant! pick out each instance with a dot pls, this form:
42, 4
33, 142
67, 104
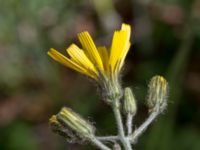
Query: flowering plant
103, 65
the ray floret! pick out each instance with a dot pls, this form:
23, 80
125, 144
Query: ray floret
94, 61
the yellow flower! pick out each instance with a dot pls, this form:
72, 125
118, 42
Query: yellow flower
97, 62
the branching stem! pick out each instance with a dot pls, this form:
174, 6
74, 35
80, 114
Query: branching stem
99, 144
108, 138
125, 142
144, 126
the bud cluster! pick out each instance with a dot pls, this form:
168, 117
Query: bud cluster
74, 128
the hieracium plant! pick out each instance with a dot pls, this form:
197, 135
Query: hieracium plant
103, 65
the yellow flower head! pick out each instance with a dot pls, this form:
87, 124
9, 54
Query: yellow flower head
93, 61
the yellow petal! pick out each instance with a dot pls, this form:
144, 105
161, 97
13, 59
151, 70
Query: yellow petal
121, 62
78, 56
67, 62
119, 48
126, 27
91, 50
118, 45
104, 54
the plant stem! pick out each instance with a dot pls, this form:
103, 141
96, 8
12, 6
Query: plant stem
129, 123
108, 138
99, 144
125, 142
144, 126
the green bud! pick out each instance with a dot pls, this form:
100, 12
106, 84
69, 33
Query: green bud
76, 123
157, 93
58, 128
129, 102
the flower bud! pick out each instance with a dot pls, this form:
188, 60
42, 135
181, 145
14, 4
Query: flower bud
58, 128
157, 93
129, 102
73, 121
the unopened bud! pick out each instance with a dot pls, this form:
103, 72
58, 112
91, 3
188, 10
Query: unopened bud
129, 102
58, 128
157, 93
73, 121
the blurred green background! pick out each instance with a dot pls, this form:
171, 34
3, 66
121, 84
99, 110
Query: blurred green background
165, 40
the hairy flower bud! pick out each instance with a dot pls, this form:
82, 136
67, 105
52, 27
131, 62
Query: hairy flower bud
58, 128
76, 123
157, 93
129, 102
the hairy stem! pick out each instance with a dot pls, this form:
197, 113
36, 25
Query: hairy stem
108, 138
125, 142
99, 144
129, 123
144, 126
